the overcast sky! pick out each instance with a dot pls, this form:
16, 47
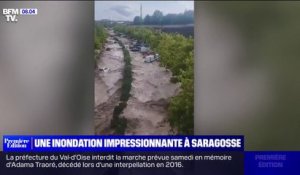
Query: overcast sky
127, 10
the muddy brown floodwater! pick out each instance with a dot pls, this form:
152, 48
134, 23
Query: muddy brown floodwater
151, 92
108, 84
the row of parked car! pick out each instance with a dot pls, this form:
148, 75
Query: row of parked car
148, 55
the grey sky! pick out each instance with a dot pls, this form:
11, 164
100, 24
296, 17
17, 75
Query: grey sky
127, 10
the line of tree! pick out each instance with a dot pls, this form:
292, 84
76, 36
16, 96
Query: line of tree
100, 36
118, 122
176, 53
158, 18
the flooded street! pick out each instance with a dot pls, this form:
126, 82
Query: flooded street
107, 84
151, 92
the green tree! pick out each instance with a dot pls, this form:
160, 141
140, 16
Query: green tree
137, 20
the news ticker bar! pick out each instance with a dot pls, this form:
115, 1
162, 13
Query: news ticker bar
90, 143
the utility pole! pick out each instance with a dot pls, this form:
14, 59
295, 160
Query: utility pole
141, 14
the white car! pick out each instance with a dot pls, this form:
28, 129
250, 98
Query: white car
151, 58
104, 69
144, 49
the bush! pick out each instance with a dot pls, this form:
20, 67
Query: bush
120, 123
174, 79
127, 75
99, 36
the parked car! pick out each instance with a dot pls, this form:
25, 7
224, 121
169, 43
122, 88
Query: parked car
144, 49
134, 49
104, 69
151, 58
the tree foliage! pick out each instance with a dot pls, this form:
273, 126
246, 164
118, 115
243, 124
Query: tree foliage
100, 36
157, 18
137, 20
176, 53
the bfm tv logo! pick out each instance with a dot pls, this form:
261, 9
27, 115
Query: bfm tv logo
11, 14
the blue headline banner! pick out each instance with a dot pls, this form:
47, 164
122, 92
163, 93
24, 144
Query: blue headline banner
89, 143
